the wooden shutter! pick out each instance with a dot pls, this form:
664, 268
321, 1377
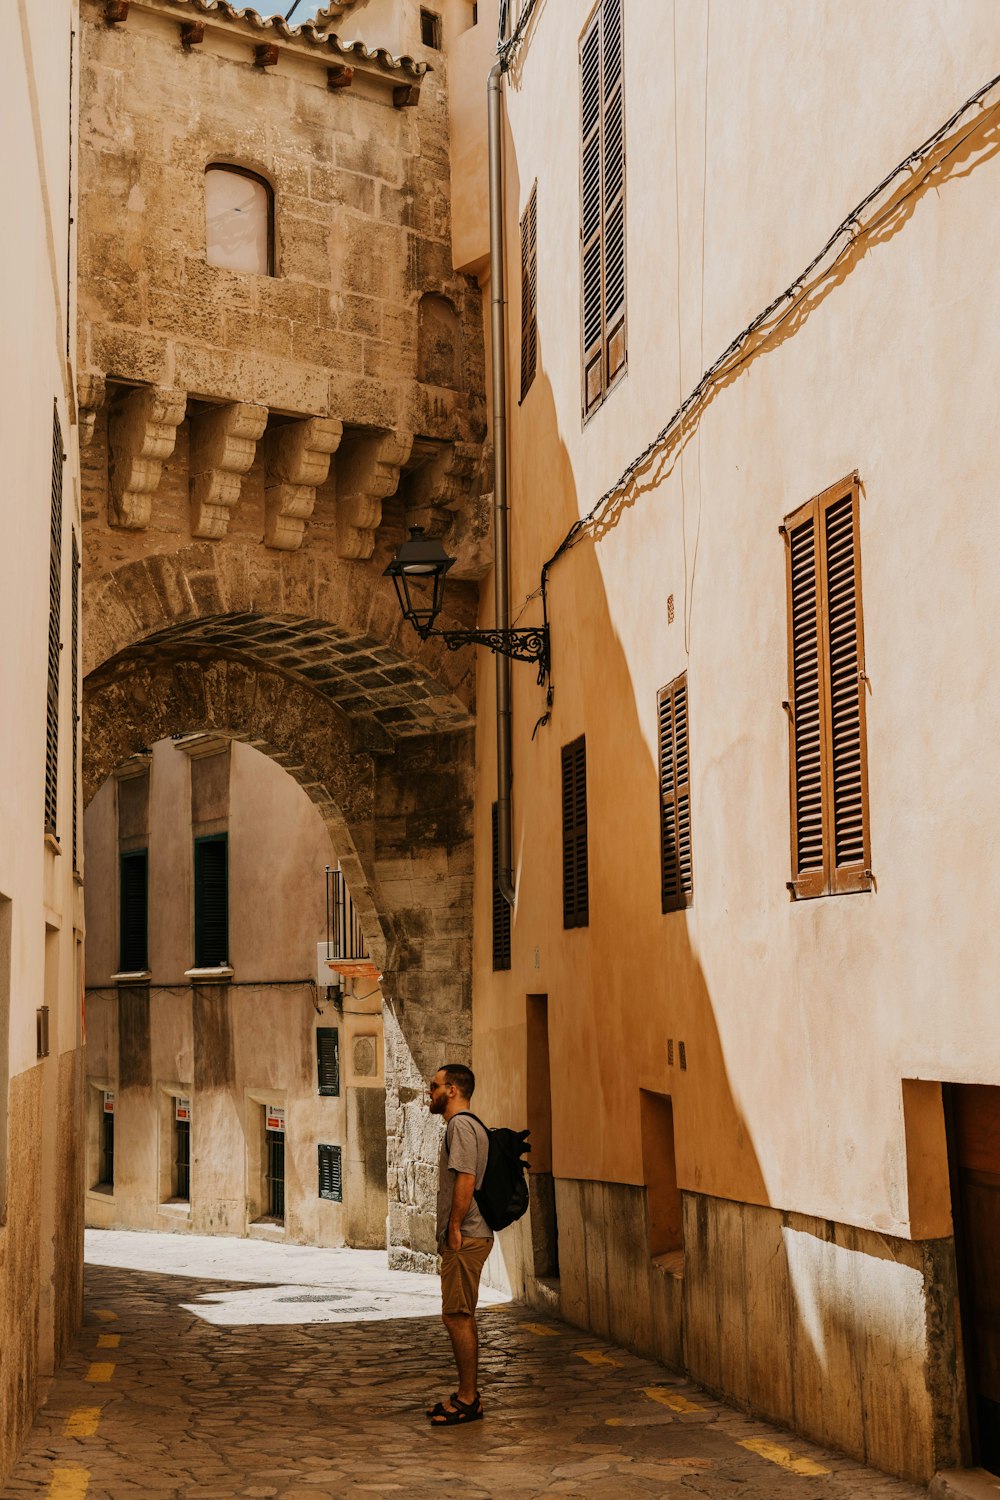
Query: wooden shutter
827, 736
529, 292
55, 595
75, 698
676, 869
211, 902
328, 1060
576, 898
602, 200
331, 1177
501, 909
133, 913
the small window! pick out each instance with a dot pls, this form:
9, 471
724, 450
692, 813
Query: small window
501, 907
576, 895
106, 1168
42, 1031
676, 874
275, 1175
826, 696
328, 1060
182, 1150
430, 29
331, 1177
211, 902
239, 221
529, 292
133, 916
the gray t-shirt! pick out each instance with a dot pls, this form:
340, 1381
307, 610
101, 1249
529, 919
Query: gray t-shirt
464, 1149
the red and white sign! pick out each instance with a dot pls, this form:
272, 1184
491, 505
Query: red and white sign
109, 1102
275, 1117
182, 1109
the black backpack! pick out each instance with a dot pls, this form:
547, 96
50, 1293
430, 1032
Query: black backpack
503, 1195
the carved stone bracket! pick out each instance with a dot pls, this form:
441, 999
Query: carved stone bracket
223, 444
367, 472
142, 431
89, 400
298, 459
441, 485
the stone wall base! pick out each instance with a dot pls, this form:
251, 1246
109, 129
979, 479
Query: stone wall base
847, 1336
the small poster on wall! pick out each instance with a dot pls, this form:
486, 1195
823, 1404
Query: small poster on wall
109, 1102
275, 1117
182, 1109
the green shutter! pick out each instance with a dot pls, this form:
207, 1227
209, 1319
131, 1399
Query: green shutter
133, 915
328, 1060
211, 902
331, 1176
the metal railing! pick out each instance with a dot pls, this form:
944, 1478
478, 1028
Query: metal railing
344, 938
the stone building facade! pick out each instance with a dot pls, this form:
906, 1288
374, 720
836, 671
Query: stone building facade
259, 438
41, 854
235, 1083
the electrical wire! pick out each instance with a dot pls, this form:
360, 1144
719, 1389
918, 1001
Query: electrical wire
737, 354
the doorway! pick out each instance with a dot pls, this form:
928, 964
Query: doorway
541, 1184
973, 1115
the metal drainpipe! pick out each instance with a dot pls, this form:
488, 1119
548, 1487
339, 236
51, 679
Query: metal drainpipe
505, 877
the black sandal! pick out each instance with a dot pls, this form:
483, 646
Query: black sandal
464, 1411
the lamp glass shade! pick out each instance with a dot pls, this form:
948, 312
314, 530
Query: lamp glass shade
418, 572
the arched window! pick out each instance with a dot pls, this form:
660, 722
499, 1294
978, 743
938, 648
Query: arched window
439, 342
239, 220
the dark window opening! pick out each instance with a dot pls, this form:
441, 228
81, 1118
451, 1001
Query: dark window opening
55, 594
328, 1060
42, 1031
576, 892
182, 1159
211, 902
430, 29
107, 1166
331, 1179
276, 1174
133, 919
501, 908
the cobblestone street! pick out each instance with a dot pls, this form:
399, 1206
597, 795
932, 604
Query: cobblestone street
306, 1375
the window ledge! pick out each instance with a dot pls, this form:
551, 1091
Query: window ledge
209, 976
132, 976
51, 841
179, 1208
103, 1189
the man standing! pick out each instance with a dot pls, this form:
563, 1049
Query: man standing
464, 1238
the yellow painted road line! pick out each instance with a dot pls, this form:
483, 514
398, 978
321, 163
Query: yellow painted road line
108, 1340
69, 1483
595, 1357
783, 1457
540, 1330
106, 1315
99, 1374
82, 1422
673, 1399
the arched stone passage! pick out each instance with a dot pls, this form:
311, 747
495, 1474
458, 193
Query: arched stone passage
400, 822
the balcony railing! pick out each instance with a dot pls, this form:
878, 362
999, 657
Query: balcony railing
344, 938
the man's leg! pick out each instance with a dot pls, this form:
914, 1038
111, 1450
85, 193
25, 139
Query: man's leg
464, 1337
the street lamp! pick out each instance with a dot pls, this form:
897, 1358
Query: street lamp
418, 571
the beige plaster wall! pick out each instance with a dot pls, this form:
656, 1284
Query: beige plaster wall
231, 1049
801, 1020
41, 916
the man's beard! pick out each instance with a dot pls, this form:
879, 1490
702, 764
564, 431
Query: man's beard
437, 1106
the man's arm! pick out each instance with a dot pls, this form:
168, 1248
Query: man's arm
461, 1199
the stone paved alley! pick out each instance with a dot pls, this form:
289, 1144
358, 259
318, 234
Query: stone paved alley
217, 1368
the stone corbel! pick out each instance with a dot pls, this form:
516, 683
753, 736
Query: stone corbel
142, 431
223, 444
441, 486
89, 400
367, 472
298, 460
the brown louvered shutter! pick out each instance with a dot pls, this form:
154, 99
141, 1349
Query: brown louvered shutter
602, 199
827, 740
676, 868
55, 596
576, 899
529, 292
501, 909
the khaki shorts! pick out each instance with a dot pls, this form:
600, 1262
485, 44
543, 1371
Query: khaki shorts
460, 1273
